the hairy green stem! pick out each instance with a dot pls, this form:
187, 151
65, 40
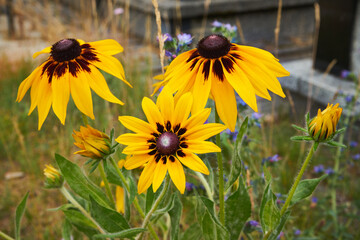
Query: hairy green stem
136, 202
297, 180
154, 206
69, 197
208, 190
221, 174
5, 236
106, 182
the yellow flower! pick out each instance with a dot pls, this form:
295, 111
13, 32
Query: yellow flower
72, 67
168, 140
323, 126
54, 179
93, 143
218, 67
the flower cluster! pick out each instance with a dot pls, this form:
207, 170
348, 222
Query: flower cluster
227, 30
174, 46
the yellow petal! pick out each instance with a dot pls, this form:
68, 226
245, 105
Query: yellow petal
137, 125
193, 162
131, 138
203, 132
152, 112
177, 174
197, 119
182, 108
201, 89
44, 103
146, 176
61, 94
165, 103
224, 98
120, 199
201, 147
98, 84
107, 46
110, 65
137, 161
27, 83
45, 50
136, 149
159, 175
81, 93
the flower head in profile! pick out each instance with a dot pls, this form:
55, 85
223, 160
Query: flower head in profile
54, 179
323, 126
218, 67
72, 68
169, 140
93, 143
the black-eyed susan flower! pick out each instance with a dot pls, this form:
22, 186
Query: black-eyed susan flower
72, 68
218, 67
323, 126
53, 179
93, 143
168, 140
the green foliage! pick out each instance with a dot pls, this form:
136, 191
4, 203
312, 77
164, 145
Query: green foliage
83, 224
19, 214
269, 213
79, 183
175, 216
128, 233
66, 230
237, 210
305, 189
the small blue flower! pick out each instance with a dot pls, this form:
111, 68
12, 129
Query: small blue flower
216, 24
189, 186
314, 200
319, 169
233, 135
345, 73
168, 53
256, 115
297, 232
329, 171
280, 235
348, 98
239, 100
184, 39
167, 37
253, 223
274, 158
356, 156
353, 144
230, 28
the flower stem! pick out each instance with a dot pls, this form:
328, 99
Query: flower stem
85, 119
106, 182
68, 196
5, 236
136, 202
221, 174
208, 190
154, 206
298, 178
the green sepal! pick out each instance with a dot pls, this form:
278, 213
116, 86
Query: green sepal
335, 144
299, 128
20, 210
301, 138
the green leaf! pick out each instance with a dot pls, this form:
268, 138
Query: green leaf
66, 230
222, 232
307, 119
82, 223
236, 159
192, 232
108, 219
208, 227
79, 183
149, 199
112, 175
335, 144
237, 210
128, 233
269, 213
267, 174
305, 189
133, 189
275, 233
168, 207
175, 216
301, 138
20, 209
299, 128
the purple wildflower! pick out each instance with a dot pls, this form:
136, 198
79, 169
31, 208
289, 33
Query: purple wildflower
184, 39
319, 169
256, 115
280, 235
167, 37
216, 24
353, 144
345, 73
329, 171
233, 135
348, 98
168, 53
253, 223
189, 186
297, 232
356, 156
274, 158
118, 11
230, 28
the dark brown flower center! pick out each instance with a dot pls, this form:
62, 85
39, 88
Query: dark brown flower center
213, 46
167, 143
65, 50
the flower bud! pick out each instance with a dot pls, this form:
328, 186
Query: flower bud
54, 179
323, 126
93, 143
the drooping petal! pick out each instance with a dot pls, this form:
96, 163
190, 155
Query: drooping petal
225, 102
120, 199
61, 94
44, 103
45, 50
193, 162
177, 174
136, 161
146, 176
81, 93
107, 46
136, 125
27, 83
159, 175
98, 84
201, 90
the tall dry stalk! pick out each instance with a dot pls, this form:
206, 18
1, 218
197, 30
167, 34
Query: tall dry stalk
159, 35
